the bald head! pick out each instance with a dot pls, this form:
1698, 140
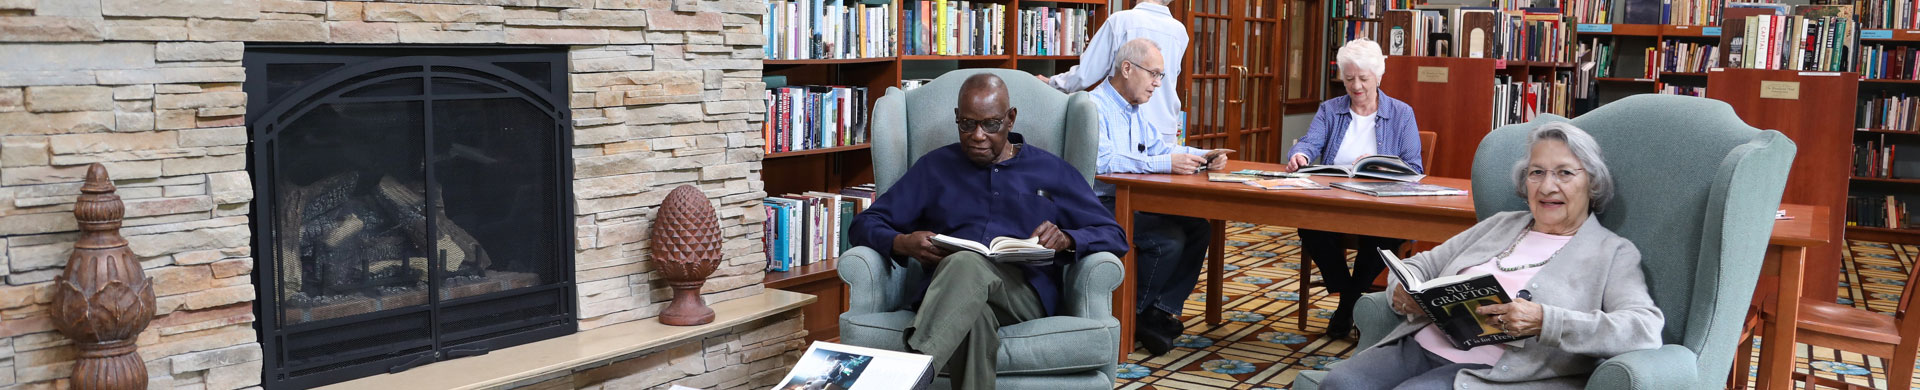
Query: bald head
984, 88
985, 116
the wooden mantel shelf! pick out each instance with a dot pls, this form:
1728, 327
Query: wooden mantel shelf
562, 355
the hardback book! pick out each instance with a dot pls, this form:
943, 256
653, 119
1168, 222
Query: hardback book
1298, 183
1394, 188
1257, 172
1450, 301
1001, 250
830, 366
1379, 166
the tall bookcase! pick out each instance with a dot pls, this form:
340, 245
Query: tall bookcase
831, 169
1902, 185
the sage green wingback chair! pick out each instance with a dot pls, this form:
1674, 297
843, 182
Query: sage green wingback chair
1695, 190
1075, 349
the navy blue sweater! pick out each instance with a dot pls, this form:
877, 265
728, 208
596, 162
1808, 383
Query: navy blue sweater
945, 193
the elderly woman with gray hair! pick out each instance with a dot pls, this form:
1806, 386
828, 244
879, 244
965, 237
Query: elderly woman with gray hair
1589, 299
1361, 123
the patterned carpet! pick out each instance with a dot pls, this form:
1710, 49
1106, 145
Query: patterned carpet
1260, 347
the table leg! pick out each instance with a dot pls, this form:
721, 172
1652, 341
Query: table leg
1216, 269
1777, 346
1123, 299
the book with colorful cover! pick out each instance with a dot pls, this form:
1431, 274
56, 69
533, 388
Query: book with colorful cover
1298, 183
1451, 302
1394, 188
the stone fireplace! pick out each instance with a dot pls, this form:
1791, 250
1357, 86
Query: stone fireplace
272, 203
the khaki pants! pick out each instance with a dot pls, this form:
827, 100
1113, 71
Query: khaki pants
969, 300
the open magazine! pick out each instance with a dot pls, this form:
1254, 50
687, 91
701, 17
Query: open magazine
1002, 250
1379, 166
1450, 301
830, 366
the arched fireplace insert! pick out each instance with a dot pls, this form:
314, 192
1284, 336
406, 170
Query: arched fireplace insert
413, 204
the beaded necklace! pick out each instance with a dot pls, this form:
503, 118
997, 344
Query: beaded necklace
1516, 243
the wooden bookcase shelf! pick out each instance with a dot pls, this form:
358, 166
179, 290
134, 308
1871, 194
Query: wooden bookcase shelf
1882, 131
1890, 81
1884, 180
831, 169
833, 61
836, 149
1900, 236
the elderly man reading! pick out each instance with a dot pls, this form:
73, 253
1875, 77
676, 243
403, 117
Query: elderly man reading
1172, 248
988, 185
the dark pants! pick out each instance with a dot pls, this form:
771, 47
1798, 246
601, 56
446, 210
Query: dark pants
970, 299
1171, 250
1400, 365
1331, 258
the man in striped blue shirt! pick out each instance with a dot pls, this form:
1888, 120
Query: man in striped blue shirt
1149, 19
1171, 248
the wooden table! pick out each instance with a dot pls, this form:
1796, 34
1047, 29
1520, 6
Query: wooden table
1424, 218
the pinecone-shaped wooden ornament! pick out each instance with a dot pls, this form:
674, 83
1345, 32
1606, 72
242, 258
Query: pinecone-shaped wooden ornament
686, 249
103, 299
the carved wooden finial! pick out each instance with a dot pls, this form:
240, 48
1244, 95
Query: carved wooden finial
103, 299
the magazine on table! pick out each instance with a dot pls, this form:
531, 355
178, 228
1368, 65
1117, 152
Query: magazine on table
1451, 302
1298, 183
830, 366
1394, 188
1379, 166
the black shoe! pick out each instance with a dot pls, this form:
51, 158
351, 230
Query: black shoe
1341, 325
1155, 330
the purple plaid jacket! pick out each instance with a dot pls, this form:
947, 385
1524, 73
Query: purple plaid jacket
1395, 131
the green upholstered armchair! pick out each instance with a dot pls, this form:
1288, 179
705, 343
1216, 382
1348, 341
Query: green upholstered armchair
1076, 349
1695, 190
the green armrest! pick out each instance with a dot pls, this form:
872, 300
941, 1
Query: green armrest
1647, 369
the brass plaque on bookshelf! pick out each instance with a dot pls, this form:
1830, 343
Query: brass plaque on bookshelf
1786, 90
1433, 74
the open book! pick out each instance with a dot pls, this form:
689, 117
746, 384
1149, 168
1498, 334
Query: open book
1002, 250
1379, 166
830, 366
1450, 302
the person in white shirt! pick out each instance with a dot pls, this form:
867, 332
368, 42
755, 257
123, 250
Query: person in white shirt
1149, 19
1170, 249
1347, 128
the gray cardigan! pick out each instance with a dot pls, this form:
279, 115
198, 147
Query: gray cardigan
1593, 297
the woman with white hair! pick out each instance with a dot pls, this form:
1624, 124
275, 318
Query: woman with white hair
1361, 123
1578, 287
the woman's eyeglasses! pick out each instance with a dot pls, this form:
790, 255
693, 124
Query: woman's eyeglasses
1536, 175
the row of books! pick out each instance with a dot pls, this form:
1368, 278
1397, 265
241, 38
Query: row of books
1587, 11
1894, 113
1054, 31
813, 117
1519, 101
1817, 38
1890, 62
956, 28
1531, 34
1677, 56
1601, 53
1364, 8
1348, 30
1681, 90
1876, 159
810, 227
817, 29
1877, 211
1888, 13
1687, 12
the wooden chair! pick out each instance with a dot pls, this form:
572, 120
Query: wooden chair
1846, 328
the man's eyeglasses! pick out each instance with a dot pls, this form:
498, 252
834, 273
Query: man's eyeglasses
1536, 175
991, 126
1155, 73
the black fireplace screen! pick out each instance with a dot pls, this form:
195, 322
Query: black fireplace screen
412, 205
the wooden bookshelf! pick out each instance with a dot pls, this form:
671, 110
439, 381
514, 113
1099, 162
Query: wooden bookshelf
1884, 131
1819, 125
831, 169
1463, 96
1884, 180
1899, 236
1889, 81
